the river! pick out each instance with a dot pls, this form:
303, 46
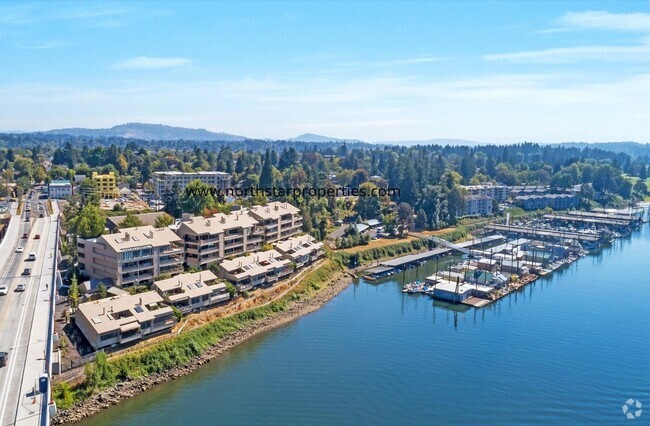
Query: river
570, 348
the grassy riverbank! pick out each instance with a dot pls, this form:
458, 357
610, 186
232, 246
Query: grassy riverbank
179, 350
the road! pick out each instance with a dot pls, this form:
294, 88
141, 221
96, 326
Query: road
23, 315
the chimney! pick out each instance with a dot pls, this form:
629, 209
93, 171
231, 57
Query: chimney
277, 207
140, 298
223, 219
104, 310
207, 222
127, 236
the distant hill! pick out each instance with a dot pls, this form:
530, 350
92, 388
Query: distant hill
310, 137
634, 149
150, 132
442, 142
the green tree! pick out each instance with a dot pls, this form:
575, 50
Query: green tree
163, 220
89, 223
177, 313
197, 197
101, 289
73, 292
131, 221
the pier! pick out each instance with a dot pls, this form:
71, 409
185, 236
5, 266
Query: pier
545, 233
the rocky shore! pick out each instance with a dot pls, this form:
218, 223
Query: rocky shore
130, 388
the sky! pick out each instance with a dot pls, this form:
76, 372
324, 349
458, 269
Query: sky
494, 71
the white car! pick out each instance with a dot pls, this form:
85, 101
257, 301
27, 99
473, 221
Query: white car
20, 249
20, 287
3, 290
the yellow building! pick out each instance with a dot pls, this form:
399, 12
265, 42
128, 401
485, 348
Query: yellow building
106, 185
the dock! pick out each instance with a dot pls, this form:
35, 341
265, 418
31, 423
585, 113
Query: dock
545, 233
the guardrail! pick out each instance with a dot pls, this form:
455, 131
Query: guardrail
47, 398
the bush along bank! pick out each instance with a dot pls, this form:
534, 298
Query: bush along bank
106, 379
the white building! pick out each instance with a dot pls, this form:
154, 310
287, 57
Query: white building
164, 181
478, 205
60, 189
192, 292
256, 270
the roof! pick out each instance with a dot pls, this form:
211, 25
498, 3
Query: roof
142, 307
273, 210
139, 237
372, 222
298, 246
219, 222
254, 264
60, 182
192, 285
177, 173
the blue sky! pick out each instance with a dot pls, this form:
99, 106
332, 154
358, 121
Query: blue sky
378, 71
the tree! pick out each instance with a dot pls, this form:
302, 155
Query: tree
266, 178
89, 223
171, 200
421, 220
368, 206
231, 289
177, 313
131, 221
404, 217
101, 289
163, 220
197, 197
73, 292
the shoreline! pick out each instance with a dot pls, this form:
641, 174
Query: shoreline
130, 388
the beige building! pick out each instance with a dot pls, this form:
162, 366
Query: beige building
123, 319
132, 256
164, 181
302, 250
277, 221
256, 270
207, 240
192, 292
106, 185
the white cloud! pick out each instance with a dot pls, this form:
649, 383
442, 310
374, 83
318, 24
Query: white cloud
603, 20
636, 53
148, 62
51, 44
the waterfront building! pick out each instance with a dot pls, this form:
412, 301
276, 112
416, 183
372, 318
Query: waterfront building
256, 270
277, 220
498, 192
60, 189
123, 319
192, 292
106, 185
478, 205
554, 201
301, 250
207, 240
164, 181
132, 256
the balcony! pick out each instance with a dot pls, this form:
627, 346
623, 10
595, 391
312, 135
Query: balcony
218, 298
137, 267
170, 261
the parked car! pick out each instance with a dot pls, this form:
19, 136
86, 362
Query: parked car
4, 357
4, 290
27, 271
37, 237
20, 287
20, 249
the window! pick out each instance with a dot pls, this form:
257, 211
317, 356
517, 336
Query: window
108, 336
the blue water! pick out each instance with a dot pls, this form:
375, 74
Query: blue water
568, 349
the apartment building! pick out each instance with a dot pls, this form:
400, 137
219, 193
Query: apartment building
277, 220
123, 319
498, 192
106, 185
301, 250
164, 181
132, 256
256, 270
478, 205
554, 201
192, 292
207, 240
60, 189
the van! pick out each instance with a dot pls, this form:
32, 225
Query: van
32, 256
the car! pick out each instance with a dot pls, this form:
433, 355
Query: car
37, 237
20, 287
27, 271
3, 290
27, 219
20, 249
4, 357
40, 215
31, 257
24, 235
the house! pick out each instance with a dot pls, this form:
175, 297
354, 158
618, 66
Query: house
256, 270
192, 292
123, 319
301, 250
132, 256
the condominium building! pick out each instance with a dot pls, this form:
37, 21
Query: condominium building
60, 189
164, 181
256, 270
106, 185
301, 250
192, 292
123, 319
277, 220
207, 240
478, 205
132, 256
498, 192
554, 201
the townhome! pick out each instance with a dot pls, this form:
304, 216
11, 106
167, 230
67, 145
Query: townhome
256, 270
207, 240
192, 292
277, 220
123, 319
301, 250
132, 256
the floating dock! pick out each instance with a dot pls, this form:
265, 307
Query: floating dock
545, 233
